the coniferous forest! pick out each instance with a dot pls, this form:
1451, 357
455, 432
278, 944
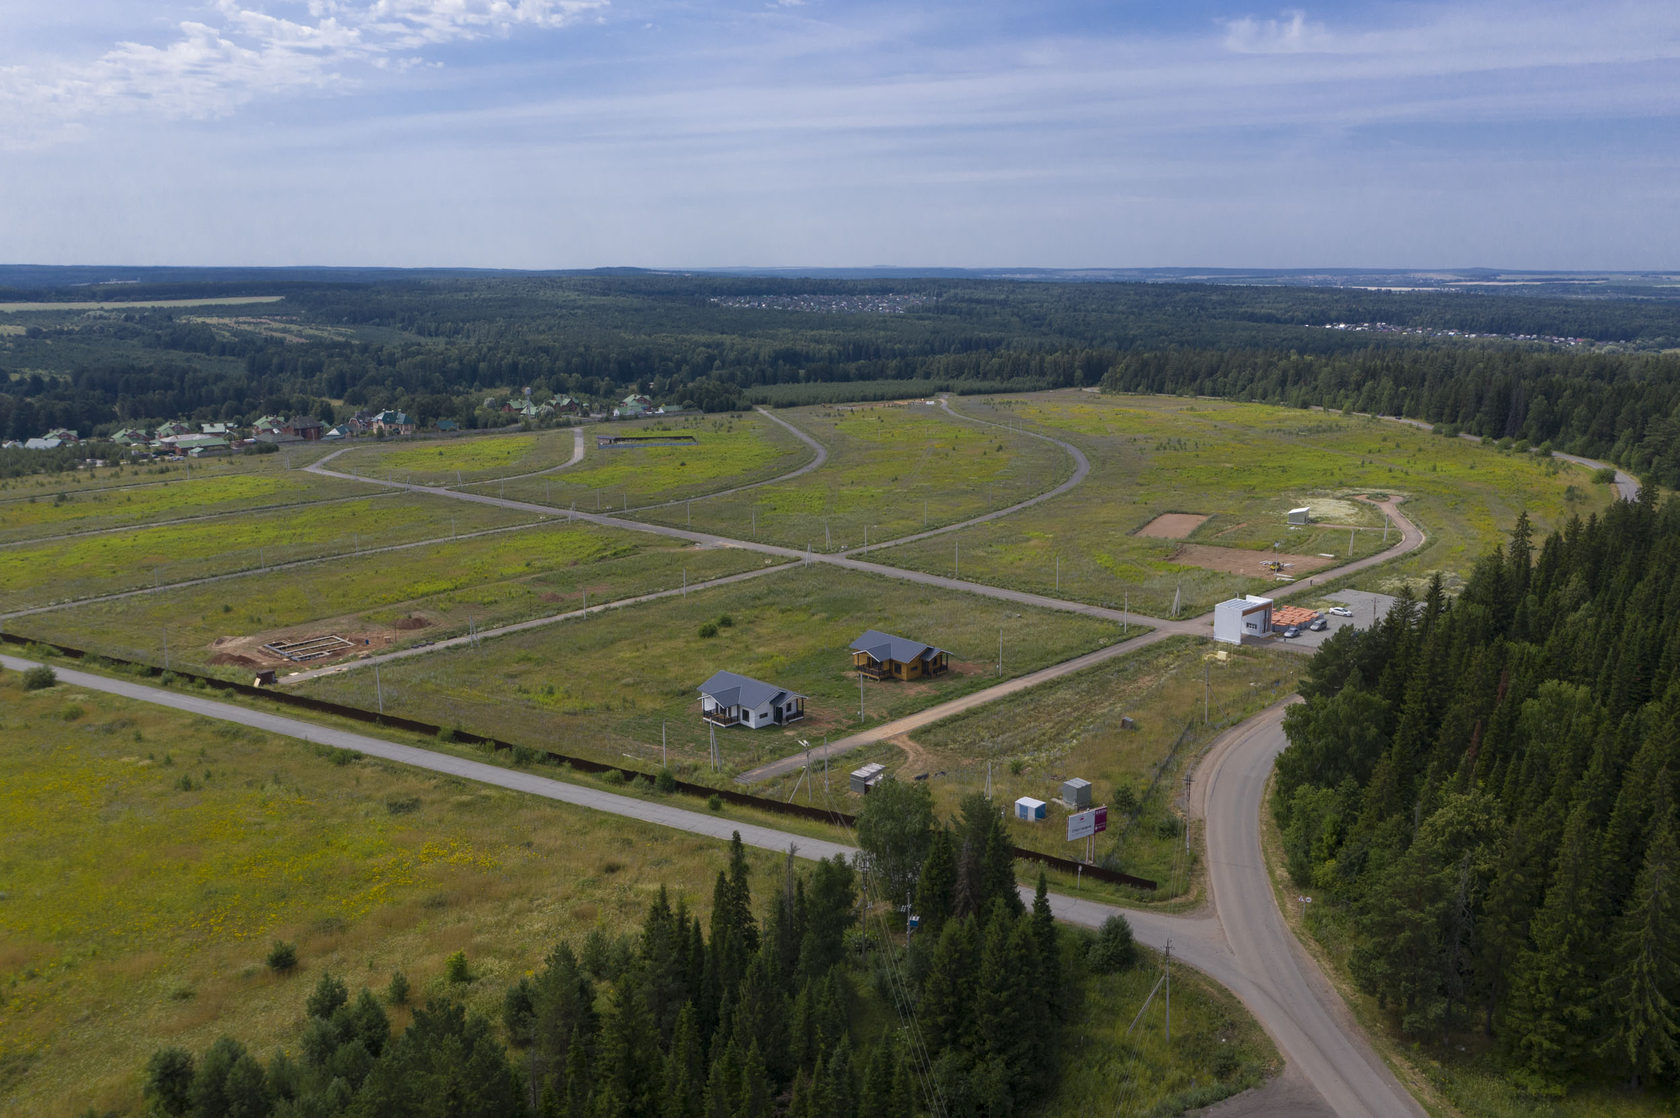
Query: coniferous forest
1487, 787
803, 1014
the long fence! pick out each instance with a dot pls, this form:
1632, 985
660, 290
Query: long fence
581, 764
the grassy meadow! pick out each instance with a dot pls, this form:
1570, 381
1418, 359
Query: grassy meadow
1242, 465
892, 468
604, 686
84, 566
730, 450
153, 857
1071, 728
35, 517
449, 461
451, 584
158, 855
133, 475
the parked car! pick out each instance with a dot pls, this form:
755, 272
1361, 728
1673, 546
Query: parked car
1341, 611
1292, 631
1319, 625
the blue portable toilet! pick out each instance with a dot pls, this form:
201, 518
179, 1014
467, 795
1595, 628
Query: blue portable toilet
1029, 809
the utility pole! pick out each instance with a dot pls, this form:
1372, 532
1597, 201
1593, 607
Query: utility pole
860, 696
685, 582
1351, 531
1000, 652
1169, 991
691, 512
988, 780
1125, 612
1204, 692
378, 691
956, 560
1058, 574
663, 760
166, 650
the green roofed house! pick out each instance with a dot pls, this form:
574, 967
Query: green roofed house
728, 699
883, 656
393, 423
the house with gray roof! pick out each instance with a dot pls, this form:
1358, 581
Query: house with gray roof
728, 699
881, 655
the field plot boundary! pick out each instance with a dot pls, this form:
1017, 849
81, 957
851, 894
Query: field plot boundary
1174, 525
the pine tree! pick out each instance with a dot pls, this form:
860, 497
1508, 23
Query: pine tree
936, 887
947, 993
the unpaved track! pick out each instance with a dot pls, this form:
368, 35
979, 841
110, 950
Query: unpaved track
1241, 941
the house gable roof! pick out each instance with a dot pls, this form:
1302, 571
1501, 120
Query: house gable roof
732, 690
882, 647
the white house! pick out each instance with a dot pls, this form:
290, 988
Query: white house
727, 699
1240, 617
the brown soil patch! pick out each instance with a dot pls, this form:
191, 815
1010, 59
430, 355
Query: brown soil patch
410, 623
1173, 525
1240, 561
235, 658
247, 651
915, 757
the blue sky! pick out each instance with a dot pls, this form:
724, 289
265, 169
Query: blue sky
583, 133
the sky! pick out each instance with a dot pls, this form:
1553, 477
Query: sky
688, 134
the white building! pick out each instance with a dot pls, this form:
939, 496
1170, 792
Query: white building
1302, 515
728, 699
1241, 617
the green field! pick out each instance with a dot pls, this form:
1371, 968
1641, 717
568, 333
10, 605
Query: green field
147, 473
157, 855
1243, 465
204, 495
1071, 728
892, 469
448, 461
83, 566
118, 305
137, 912
729, 451
487, 581
603, 687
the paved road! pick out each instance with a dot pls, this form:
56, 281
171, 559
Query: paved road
1241, 941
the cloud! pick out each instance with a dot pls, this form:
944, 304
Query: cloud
211, 66
1293, 35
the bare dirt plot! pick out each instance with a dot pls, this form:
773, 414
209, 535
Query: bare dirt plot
1173, 525
1241, 561
360, 637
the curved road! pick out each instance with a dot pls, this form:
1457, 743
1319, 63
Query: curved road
1241, 942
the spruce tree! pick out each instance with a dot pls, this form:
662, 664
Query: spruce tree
1643, 992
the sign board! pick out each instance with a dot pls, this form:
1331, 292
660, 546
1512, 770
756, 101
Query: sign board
1084, 824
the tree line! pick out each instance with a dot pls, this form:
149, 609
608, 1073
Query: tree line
1487, 788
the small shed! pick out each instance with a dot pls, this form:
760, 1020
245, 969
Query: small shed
867, 777
1076, 792
1302, 515
1240, 617
1029, 809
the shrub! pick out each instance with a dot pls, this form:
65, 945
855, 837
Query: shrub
446, 736
329, 995
708, 630
39, 678
524, 756
169, 1076
455, 968
397, 992
1114, 949
613, 776
282, 957
71, 713
665, 783
725, 621
715, 802
402, 805
1604, 476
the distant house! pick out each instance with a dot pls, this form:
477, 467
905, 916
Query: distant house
448, 425
173, 428
43, 444
883, 656
305, 427
393, 423
270, 425
132, 436
728, 699
220, 430
566, 405
334, 434
199, 446
633, 406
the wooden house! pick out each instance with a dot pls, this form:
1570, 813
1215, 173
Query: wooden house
883, 656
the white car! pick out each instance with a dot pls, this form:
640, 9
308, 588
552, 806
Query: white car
1340, 611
